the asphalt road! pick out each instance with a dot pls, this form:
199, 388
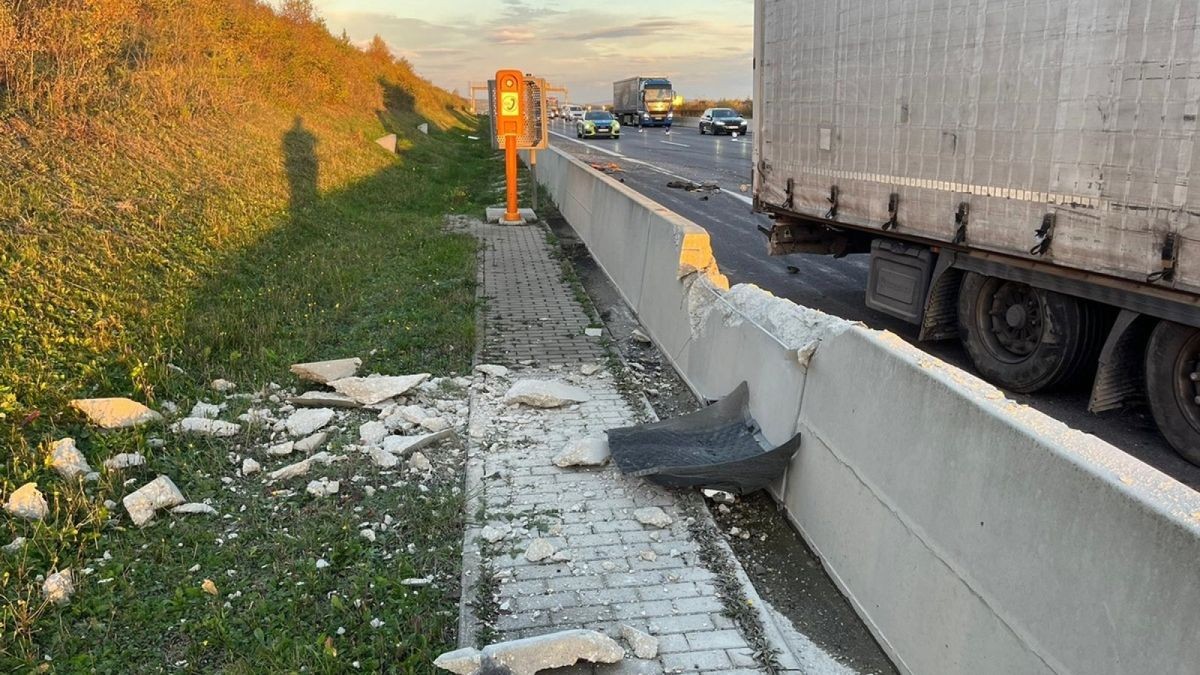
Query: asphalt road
649, 160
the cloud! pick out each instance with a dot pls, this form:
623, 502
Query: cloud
639, 29
511, 36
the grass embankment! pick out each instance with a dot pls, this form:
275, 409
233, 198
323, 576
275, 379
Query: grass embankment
190, 190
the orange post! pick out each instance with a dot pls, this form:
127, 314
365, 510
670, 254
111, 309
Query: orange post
510, 92
511, 213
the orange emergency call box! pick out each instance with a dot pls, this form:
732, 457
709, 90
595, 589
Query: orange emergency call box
510, 97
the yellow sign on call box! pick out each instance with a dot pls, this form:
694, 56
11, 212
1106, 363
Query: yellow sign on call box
510, 103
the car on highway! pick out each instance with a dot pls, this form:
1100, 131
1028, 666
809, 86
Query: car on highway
572, 111
722, 121
598, 123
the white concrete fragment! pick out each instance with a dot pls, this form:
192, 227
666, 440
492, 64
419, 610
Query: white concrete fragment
590, 369
67, 460
373, 432
419, 462
323, 487
545, 393
720, 496
222, 385
300, 468
310, 443
639, 336
644, 645
435, 424
323, 399
205, 410
14, 547
367, 533
399, 445
59, 587
653, 515
250, 467
592, 451
27, 502
206, 427
416, 581
539, 549
466, 661
531, 655
377, 388
124, 460
194, 508
494, 533
324, 372
306, 421
159, 493
115, 413
382, 458
593, 332
282, 449
492, 370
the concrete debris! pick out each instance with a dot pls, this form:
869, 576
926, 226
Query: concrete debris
416, 581
377, 388
387, 142
194, 508
639, 336
306, 421
368, 534
159, 493
591, 451
382, 458
209, 587
322, 563
222, 385
124, 460
423, 127
539, 549
310, 443
653, 516
206, 410
256, 416
419, 462
648, 555
300, 468
593, 332
399, 445
115, 413
27, 502
206, 427
323, 487
435, 424
531, 655
59, 587
644, 645
67, 460
14, 547
373, 432
545, 393
282, 449
589, 369
324, 372
492, 370
720, 496
494, 533
250, 467
323, 399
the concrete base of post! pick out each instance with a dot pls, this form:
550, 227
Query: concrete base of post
495, 214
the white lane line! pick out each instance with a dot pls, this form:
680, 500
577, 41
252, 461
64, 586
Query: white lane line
589, 145
738, 195
682, 145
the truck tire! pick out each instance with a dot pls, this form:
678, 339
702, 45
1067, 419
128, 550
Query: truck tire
1172, 361
1026, 339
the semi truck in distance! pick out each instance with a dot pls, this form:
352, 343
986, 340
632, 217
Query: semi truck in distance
1027, 183
644, 101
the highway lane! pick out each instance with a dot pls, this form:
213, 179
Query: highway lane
648, 161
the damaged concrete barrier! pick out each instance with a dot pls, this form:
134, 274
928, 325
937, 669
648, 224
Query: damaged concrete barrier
530, 655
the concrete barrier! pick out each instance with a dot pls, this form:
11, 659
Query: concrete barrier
972, 534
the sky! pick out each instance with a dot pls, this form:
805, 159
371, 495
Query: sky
704, 46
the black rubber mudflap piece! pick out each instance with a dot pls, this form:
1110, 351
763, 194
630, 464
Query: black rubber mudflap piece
720, 447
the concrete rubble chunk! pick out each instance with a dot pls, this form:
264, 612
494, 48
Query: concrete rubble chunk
159, 493
382, 458
115, 413
539, 549
592, 451
323, 399
530, 655
300, 468
377, 388
387, 142
419, 462
720, 496
310, 443
67, 460
644, 645
323, 487
305, 421
435, 424
639, 336
545, 393
27, 502
194, 508
250, 467
400, 445
205, 410
14, 547
494, 533
492, 370
206, 427
59, 587
653, 516
124, 460
222, 385
282, 449
324, 372
373, 432
590, 369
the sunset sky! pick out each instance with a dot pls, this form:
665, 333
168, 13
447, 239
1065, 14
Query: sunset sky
704, 46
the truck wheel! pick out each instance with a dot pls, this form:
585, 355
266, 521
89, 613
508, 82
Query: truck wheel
1173, 385
1026, 339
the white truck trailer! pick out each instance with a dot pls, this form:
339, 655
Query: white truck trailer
1021, 174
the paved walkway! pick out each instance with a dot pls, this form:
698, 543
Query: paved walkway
608, 568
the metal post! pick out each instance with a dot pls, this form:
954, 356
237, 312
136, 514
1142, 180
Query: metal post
511, 213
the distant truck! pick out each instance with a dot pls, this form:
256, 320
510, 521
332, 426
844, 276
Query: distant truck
1048, 217
552, 106
644, 101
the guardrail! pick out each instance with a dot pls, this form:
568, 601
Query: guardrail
971, 533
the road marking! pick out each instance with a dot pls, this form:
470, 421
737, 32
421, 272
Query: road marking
673, 143
738, 195
589, 145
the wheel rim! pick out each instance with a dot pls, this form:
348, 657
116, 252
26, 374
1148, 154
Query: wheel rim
1010, 319
1187, 380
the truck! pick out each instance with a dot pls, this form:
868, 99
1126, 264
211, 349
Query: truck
1020, 174
552, 106
644, 101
